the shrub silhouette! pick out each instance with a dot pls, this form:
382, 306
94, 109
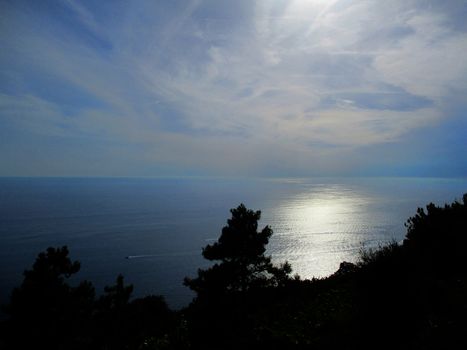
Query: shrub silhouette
243, 265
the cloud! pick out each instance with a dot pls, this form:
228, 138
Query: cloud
286, 73
229, 87
31, 113
430, 62
84, 15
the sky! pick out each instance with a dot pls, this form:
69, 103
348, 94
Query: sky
267, 88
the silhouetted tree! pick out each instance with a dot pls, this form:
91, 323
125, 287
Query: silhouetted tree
111, 311
439, 232
144, 323
48, 313
229, 292
117, 296
45, 311
417, 291
243, 265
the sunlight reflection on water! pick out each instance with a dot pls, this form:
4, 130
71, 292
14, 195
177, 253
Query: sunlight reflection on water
317, 229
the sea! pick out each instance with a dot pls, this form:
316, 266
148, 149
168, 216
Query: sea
152, 230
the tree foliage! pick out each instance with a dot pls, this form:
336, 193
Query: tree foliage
47, 312
242, 263
423, 283
45, 309
441, 232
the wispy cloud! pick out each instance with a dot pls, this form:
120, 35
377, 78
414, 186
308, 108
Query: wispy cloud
231, 87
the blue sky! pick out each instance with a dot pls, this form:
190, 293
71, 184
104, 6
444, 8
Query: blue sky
233, 88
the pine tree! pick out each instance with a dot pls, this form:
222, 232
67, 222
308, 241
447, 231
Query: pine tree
242, 264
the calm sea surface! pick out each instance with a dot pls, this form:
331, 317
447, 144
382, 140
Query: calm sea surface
162, 224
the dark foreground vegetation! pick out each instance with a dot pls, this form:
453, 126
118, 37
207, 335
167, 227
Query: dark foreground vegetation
401, 296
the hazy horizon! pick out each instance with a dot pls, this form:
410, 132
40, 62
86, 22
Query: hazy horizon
227, 177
